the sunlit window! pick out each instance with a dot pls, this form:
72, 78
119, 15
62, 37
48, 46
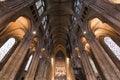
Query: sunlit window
78, 6
113, 46
44, 25
93, 65
40, 6
40, 11
77, 10
44, 22
74, 21
28, 63
6, 47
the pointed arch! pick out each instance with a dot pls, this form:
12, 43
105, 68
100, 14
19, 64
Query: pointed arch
60, 48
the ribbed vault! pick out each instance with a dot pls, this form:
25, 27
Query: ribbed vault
59, 13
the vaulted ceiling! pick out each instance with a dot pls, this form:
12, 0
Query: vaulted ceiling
60, 14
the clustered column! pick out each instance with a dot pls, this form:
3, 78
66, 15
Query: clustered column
11, 68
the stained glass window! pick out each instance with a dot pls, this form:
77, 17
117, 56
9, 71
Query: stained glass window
113, 46
78, 6
6, 47
40, 6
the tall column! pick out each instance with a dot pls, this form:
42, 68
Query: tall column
71, 72
86, 64
22, 72
46, 70
68, 69
11, 68
34, 64
42, 70
99, 73
107, 66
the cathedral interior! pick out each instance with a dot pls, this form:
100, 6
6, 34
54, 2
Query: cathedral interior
59, 39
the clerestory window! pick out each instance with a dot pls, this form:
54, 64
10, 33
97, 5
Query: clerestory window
6, 48
93, 65
113, 46
44, 22
40, 6
28, 63
78, 6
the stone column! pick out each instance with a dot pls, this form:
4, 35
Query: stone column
86, 64
42, 69
22, 73
110, 71
11, 68
34, 64
46, 70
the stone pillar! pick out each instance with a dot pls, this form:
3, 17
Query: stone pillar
110, 71
22, 73
46, 70
12, 66
86, 64
68, 71
34, 64
42, 69
71, 72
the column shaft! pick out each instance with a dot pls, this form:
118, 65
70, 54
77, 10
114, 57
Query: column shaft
11, 68
34, 64
86, 64
108, 68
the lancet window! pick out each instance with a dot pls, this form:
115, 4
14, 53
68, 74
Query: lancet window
113, 46
6, 47
28, 63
